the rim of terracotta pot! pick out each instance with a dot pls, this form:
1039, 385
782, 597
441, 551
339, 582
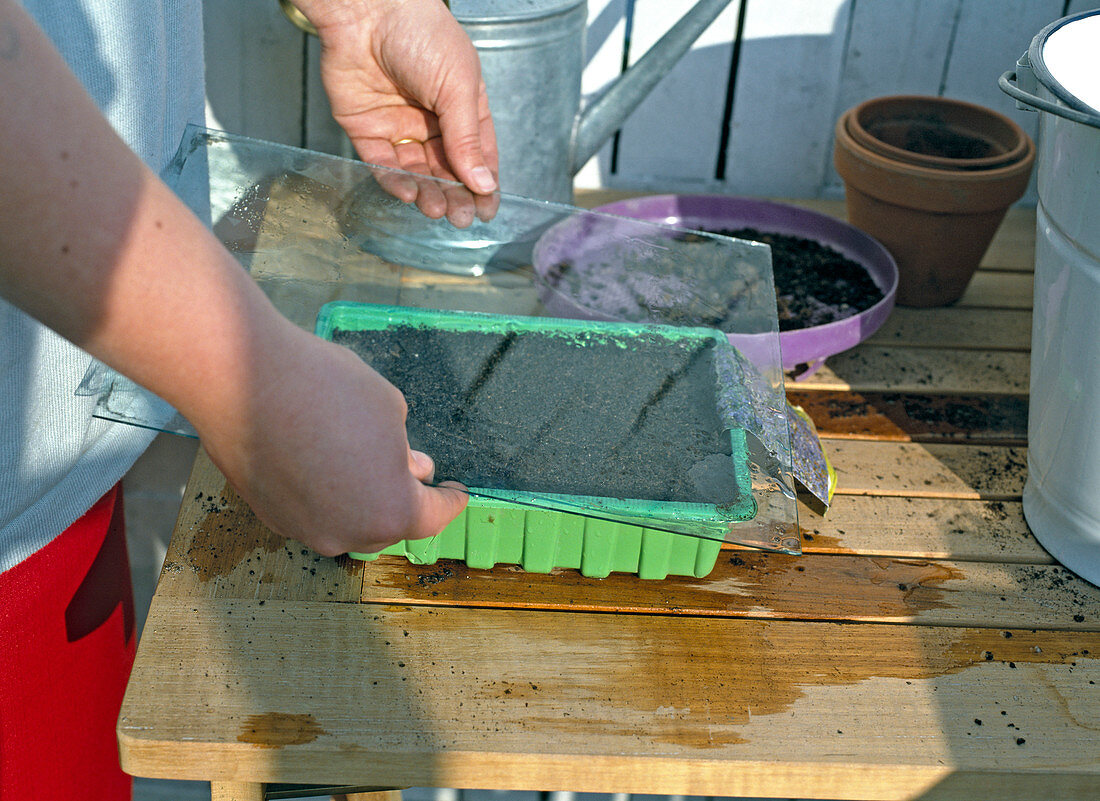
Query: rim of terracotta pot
929, 188
872, 124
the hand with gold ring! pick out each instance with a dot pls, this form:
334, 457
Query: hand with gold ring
405, 83
433, 197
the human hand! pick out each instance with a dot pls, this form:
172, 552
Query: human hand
323, 457
405, 83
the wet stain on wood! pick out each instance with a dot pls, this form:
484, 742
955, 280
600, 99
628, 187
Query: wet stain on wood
226, 536
857, 588
278, 729
744, 583
766, 668
753, 584
221, 548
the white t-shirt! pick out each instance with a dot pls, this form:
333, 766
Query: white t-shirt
142, 62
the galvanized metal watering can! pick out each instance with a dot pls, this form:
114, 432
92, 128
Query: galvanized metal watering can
532, 57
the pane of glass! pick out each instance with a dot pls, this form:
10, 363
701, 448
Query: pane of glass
552, 357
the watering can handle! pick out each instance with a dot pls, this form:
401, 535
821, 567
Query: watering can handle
1009, 86
604, 115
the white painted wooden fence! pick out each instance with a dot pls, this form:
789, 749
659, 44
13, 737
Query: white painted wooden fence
748, 111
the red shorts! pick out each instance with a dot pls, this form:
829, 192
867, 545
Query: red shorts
66, 648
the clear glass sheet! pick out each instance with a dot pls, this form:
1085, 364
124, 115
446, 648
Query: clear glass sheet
555, 291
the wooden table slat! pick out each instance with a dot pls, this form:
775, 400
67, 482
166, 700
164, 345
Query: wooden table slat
955, 327
759, 585
915, 417
607, 703
1013, 248
922, 528
932, 470
874, 368
998, 289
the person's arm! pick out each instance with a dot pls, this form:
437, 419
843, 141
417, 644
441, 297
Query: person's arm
95, 246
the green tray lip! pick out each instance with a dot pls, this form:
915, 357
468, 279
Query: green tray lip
379, 316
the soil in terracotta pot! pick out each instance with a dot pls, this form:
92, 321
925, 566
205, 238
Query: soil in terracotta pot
814, 283
930, 136
608, 417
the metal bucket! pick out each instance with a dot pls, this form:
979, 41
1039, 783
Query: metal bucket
1058, 76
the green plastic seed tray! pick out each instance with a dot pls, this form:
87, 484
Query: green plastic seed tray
602, 447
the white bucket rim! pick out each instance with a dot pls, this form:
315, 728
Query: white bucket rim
1041, 64
1066, 104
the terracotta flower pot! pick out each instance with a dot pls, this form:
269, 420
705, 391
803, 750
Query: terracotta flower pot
937, 132
937, 222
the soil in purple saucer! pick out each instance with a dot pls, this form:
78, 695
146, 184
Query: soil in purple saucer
814, 283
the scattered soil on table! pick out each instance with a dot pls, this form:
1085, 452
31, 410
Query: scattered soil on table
814, 283
633, 417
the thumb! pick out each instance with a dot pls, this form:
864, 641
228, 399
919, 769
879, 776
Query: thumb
438, 506
421, 466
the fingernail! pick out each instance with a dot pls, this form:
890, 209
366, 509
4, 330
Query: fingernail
423, 461
483, 180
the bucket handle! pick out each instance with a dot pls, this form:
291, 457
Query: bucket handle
1008, 85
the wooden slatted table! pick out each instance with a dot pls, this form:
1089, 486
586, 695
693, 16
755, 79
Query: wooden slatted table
924, 646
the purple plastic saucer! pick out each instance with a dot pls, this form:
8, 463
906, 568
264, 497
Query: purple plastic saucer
805, 349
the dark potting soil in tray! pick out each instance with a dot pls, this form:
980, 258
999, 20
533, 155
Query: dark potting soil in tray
814, 283
541, 412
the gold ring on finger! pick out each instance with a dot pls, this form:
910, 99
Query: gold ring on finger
407, 141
